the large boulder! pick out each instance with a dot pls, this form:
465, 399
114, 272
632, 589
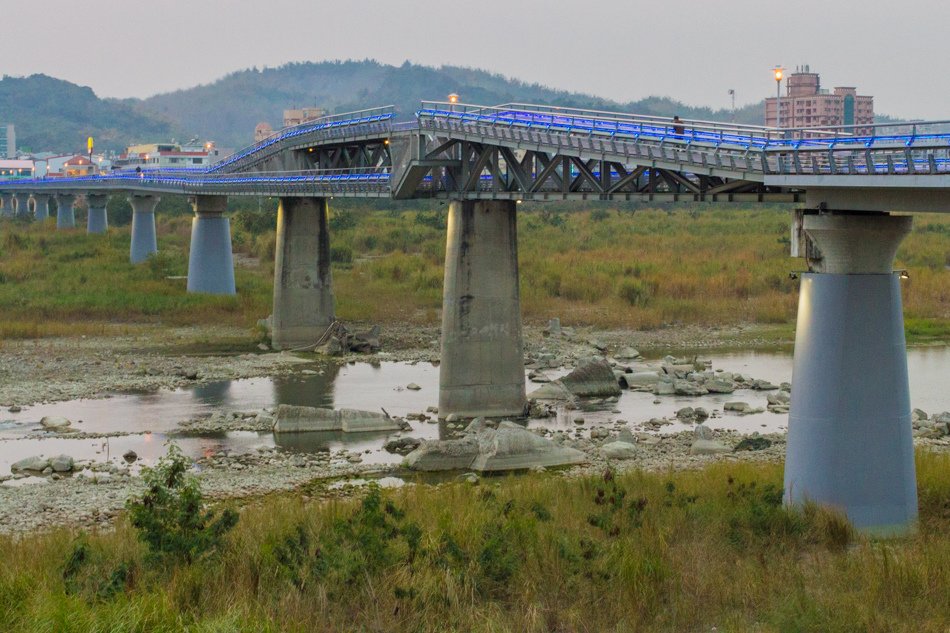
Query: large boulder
54, 422
708, 447
592, 379
36, 463
719, 385
513, 447
435, 455
62, 463
687, 388
620, 450
295, 419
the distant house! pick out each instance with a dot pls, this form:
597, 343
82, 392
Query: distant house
78, 166
15, 169
167, 156
296, 116
262, 131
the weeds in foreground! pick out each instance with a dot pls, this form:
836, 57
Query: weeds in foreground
631, 552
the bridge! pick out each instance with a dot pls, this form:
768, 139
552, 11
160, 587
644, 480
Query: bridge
849, 441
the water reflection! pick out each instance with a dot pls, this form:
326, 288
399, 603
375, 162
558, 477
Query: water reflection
307, 390
212, 393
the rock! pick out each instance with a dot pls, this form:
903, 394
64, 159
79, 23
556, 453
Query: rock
294, 419
191, 375
664, 388
452, 417
14, 409
264, 347
48, 470
413, 386
644, 380
578, 420
701, 413
620, 450
687, 388
469, 478
402, 445
708, 447
763, 385
130, 456
686, 414
592, 379
553, 328
753, 444
599, 433
627, 353
784, 398
513, 447
32, 464
434, 455
719, 385
738, 407
703, 432
62, 463
366, 342
917, 415
334, 346
54, 422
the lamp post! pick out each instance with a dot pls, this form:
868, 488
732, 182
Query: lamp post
778, 95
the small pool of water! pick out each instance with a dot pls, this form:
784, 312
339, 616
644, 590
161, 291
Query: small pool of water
152, 418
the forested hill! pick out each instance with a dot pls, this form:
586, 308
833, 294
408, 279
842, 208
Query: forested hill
51, 114
229, 109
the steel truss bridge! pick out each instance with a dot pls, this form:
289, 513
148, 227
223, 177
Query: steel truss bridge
531, 152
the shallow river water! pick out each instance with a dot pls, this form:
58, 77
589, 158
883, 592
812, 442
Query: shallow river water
153, 418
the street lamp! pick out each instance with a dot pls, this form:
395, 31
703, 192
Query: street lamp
453, 98
778, 95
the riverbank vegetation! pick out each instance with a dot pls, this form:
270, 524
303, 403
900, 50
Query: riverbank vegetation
670, 551
608, 267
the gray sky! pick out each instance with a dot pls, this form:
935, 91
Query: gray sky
691, 50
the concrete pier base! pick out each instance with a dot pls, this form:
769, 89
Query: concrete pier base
40, 207
210, 263
303, 287
97, 220
849, 434
482, 369
22, 205
65, 214
7, 211
144, 241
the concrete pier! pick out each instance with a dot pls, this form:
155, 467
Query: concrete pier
482, 369
7, 211
849, 434
144, 241
210, 263
41, 207
22, 205
303, 287
65, 214
97, 220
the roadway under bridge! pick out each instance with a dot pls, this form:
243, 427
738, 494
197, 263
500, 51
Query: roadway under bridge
849, 443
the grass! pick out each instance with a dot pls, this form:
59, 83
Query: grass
702, 265
677, 551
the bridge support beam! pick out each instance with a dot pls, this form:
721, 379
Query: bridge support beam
97, 221
303, 288
482, 369
22, 205
849, 434
65, 214
210, 263
7, 211
41, 206
144, 242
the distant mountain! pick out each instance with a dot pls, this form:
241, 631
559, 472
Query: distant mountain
51, 114
227, 110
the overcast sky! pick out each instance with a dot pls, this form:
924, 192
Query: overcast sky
693, 50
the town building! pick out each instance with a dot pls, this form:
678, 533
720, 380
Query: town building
11, 169
262, 131
7, 141
806, 104
78, 166
297, 116
167, 156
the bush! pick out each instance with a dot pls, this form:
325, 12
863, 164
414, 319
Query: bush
170, 517
635, 292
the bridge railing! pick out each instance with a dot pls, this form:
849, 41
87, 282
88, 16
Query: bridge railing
379, 119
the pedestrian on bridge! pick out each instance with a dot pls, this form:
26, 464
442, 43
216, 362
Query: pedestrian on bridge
678, 127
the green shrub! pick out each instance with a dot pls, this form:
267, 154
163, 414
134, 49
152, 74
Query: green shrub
170, 516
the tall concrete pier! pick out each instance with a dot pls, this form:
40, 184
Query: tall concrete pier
210, 263
41, 206
22, 205
303, 288
482, 370
144, 241
849, 434
97, 221
65, 214
7, 211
